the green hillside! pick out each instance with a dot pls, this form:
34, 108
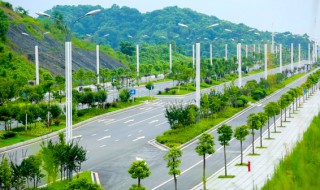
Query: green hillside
161, 27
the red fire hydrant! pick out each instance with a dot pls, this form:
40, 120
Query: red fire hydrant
249, 166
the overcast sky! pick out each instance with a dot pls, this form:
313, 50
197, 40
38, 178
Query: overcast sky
296, 16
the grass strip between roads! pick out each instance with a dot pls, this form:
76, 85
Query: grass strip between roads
177, 137
300, 168
38, 129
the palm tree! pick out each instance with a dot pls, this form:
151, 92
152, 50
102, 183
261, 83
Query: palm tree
205, 146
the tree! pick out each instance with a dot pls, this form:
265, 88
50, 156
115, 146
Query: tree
173, 162
139, 170
4, 24
283, 103
124, 95
50, 160
5, 174
60, 83
127, 48
225, 135
17, 179
31, 169
253, 122
149, 86
205, 105
263, 119
82, 184
240, 134
205, 146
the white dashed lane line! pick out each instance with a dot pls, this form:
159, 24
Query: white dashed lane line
138, 138
106, 137
131, 120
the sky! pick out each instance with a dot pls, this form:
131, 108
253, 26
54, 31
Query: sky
296, 16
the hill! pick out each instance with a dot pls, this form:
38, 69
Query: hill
161, 26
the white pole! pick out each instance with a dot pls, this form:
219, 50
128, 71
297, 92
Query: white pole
68, 57
299, 54
309, 57
210, 54
98, 64
254, 50
226, 52
37, 64
292, 57
170, 56
239, 64
246, 51
280, 52
265, 61
193, 57
137, 51
198, 75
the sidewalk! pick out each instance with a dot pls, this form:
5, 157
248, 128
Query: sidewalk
263, 166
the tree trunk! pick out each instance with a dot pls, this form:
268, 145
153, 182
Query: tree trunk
285, 114
204, 172
281, 117
274, 124
175, 182
252, 141
268, 127
241, 153
225, 160
138, 181
261, 136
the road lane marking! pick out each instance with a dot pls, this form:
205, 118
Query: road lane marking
139, 131
103, 146
106, 130
131, 120
259, 105
117, 140
129, 135
153, 121
161, 123
93, 135
106, 137
108, 120
145, 120
142, 137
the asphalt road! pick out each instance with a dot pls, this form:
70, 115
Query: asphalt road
118, 139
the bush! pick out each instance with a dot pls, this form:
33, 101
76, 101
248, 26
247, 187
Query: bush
167, 90
135, 187
258, 94
159, 92
57, 122
8, 134
124, 95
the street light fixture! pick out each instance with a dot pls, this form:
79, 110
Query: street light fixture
68, 62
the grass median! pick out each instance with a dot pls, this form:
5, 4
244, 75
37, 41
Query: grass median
176, 137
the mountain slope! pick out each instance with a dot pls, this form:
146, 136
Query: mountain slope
162, 26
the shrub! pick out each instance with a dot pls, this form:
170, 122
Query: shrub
167, 90
258, 93
9, 134
135, 187
124, 95
173, 92
57, 122
159, 92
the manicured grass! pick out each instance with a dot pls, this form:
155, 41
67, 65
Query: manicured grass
243, 164
182, 135
62, 185
39, 129
300, 169
255, 154
226, 177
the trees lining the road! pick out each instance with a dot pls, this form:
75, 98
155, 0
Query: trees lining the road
263, 120
205, 146
240, 133
253, 122
139, 170
225, 134
173, 158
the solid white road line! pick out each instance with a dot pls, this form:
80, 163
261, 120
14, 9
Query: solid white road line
103, 146
93, 135
106, 130
106, 137
145, 120
153, 121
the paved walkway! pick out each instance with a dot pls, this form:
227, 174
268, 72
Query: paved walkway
262, 167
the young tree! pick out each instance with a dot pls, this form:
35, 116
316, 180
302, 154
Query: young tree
271, 109
263, 119
205, 146
253, 122
31, 169
240, 134
5, 174
173, 162
17, 179
283, 103
225, 135
139, 170
149, 86
205, 105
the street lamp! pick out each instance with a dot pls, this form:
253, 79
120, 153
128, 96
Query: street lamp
68, 62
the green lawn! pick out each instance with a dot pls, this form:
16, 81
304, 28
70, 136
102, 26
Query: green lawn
62, 185
180, 136
300, 169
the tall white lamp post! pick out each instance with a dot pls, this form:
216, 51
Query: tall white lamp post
280, 57
291, 57
36, 59
265, 61
68, 62
239, 64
